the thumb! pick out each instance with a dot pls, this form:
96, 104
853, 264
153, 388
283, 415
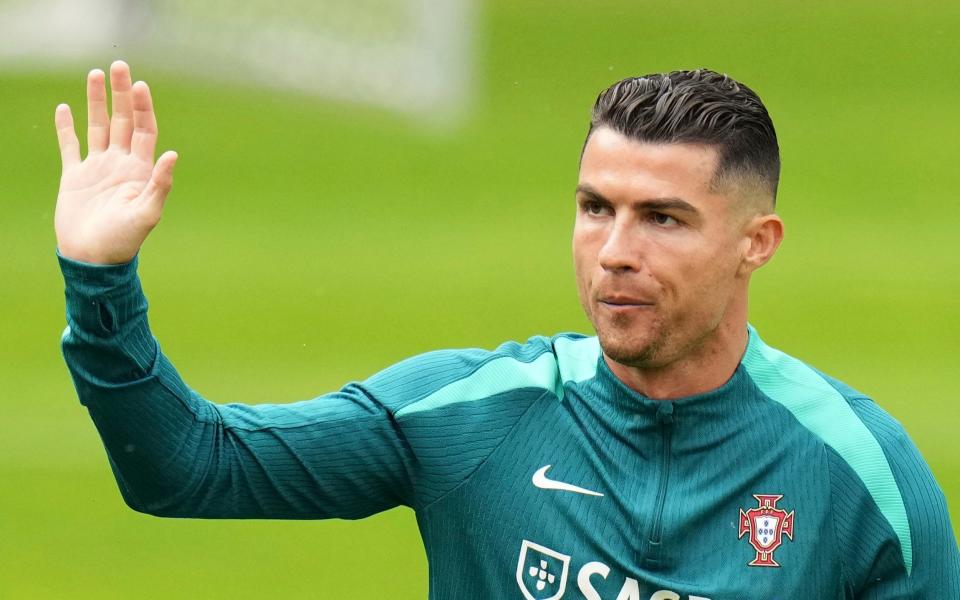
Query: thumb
161, 180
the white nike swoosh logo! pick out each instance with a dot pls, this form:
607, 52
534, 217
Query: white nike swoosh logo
541, 481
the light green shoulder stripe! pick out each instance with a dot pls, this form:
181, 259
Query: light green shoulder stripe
575, 360
824, 411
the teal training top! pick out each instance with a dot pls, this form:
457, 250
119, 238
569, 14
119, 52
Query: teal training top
533, 471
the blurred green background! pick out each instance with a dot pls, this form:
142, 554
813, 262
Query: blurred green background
309, 243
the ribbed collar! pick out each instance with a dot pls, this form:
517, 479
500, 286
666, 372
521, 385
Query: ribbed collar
727, 398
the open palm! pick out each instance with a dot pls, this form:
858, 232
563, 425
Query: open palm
110, 201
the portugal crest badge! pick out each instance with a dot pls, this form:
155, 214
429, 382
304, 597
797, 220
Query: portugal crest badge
766, 525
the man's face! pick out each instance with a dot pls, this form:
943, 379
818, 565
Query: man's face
657, 251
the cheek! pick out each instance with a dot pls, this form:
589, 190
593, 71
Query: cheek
584, 257
584, 276
716, 283
703, 281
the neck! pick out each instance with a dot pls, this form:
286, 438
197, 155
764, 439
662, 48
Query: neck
702, 368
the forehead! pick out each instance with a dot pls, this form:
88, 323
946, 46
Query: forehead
615, 165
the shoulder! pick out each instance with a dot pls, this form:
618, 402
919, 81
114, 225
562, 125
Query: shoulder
883, 461
889, 512
914, 549
845, 419
454, 408
443, 377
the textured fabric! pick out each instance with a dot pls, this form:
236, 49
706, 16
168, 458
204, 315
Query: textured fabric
825, 412
534, 472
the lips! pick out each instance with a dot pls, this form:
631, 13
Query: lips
624, 300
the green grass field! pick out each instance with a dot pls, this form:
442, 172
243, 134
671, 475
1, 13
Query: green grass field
307, 244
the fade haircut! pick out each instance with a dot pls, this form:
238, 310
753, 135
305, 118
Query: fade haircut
698, 107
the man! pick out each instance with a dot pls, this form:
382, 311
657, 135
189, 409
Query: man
675, 455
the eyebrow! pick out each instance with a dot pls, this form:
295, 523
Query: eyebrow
666, 203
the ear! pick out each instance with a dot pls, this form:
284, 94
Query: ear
762, 237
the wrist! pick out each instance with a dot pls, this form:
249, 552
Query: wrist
92, 258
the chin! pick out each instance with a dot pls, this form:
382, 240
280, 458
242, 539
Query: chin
632, 351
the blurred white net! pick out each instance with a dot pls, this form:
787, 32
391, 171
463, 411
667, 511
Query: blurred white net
408, 55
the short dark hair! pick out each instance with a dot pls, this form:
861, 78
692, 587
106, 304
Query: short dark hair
701, 107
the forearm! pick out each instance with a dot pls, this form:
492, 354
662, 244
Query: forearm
152, 429
177, 454
107, 340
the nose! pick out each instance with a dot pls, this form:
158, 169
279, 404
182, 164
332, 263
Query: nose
622, 248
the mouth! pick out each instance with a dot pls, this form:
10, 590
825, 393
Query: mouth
621, 303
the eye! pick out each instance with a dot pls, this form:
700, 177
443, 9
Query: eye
664, 220
592, 207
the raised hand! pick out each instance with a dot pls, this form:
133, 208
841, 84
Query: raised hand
111, 200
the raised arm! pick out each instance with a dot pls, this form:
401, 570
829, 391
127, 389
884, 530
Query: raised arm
173, 452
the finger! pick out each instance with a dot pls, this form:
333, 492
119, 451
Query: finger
161, 180
144, 123
98, 121
69, 145
121, 124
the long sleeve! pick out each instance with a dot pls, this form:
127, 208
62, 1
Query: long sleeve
878, 564
173, 453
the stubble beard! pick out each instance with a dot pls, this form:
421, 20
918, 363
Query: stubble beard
622, 341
